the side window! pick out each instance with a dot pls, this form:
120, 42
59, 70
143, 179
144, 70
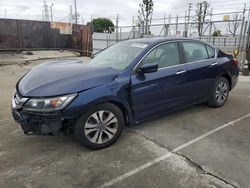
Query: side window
210, 51
164, 55
195, 51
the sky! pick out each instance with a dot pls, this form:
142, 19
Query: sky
32, 9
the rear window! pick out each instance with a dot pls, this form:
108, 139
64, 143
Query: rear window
195, 51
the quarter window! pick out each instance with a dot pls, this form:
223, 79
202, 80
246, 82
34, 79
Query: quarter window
165, 55
195, 51
210, 51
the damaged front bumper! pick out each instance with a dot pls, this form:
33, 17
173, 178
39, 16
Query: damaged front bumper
40, 123
33, 124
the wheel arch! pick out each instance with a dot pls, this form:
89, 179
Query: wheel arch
124, 107
228, 77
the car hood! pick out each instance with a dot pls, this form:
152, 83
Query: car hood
63, 77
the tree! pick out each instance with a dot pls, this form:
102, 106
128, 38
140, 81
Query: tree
145, 14
216, 33
200, 15
102, 25
233, 26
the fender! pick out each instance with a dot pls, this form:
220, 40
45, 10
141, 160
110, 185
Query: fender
115, 92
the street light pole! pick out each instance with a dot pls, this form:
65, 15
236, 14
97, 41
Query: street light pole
51, 14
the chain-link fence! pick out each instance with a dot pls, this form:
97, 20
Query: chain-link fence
221, 30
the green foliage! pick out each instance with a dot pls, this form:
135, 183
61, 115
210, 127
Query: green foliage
216, 33
102, 25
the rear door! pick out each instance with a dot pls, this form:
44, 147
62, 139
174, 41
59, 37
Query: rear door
158, 92
202, 69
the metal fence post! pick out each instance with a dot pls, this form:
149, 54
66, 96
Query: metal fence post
133, 31
117, 27
120, 34
176, 27
142, 29
107, 40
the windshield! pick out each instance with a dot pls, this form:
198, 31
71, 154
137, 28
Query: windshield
118, 56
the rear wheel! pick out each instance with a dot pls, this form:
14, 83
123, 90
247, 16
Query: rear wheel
219, 94
100, 126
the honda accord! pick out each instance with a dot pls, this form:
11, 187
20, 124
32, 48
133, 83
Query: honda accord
127, 83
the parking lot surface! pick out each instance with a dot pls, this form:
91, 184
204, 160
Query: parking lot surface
195, 147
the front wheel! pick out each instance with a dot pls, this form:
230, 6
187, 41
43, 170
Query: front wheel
100, 127
219, 94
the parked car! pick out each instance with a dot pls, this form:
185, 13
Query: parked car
127, 83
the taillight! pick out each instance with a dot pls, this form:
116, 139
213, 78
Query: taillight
235, 61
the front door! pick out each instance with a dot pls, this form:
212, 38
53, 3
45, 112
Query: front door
161, 91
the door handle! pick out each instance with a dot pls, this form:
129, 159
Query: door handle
213, 64
180, 72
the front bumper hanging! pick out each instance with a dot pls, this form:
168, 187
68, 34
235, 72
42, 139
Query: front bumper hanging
33, 124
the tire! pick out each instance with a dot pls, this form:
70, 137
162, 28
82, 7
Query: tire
100, 126
219, 94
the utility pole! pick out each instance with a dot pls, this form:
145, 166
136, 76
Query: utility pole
242, 26
146, 29
164, 18
117, 27
245, 70
133, 26
248, 32
185, 25
176, 27
70, 18
51, 13
211, 25
75, 13
46, 11
5, 13
189, 9
70, 14
42, 15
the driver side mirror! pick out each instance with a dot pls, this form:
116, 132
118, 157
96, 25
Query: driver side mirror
148, 68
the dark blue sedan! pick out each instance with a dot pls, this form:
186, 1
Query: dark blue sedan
129, 82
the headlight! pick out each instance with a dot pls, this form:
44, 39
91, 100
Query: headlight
48, 104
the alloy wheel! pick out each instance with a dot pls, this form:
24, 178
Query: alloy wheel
221, 92
101, 127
